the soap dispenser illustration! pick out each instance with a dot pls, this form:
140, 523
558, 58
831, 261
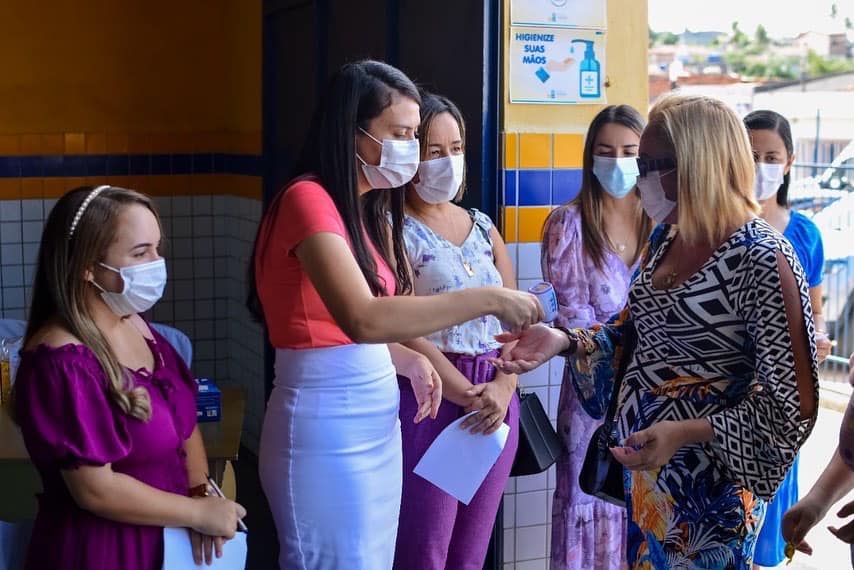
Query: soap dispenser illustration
589, 84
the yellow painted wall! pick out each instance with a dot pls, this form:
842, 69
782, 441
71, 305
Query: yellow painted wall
625, 70
130, 66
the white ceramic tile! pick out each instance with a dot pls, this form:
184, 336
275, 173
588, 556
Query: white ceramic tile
202, 205
12, 253
181, 268
12, 275
529, 261
205, 350
509, 510
31, 252
182, 247
48, 205
31, 231
556, 365
18, 313
525, 284
13, 298
10, 210
554, 399
203, 268
509, 565
184, 311
509, 545
182, 206
183, 289
164, 206
538, 564
537, 377
31, 210
205, 309
10, 232
203, 225
529, 483
203, 246
182, 227
205, 329
531, 508
551, 478
531, 543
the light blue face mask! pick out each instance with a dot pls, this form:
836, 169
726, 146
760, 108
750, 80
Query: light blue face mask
616, 175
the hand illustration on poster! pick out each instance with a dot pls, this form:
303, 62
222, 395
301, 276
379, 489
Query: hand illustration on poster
559, 13
551, 65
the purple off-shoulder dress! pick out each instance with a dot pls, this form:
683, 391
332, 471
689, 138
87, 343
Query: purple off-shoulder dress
587, 533
68, 420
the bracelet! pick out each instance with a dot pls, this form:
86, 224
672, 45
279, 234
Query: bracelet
573, 342
201, 490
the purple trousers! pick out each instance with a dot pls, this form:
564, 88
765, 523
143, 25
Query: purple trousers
435, 530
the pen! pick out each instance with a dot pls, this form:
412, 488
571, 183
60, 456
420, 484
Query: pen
219, 493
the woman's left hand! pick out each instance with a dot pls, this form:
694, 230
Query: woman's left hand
650, 448
204, 547
492, 400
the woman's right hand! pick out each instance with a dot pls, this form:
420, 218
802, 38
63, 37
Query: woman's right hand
215, 516
517, 309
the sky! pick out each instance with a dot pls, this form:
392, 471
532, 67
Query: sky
780, 17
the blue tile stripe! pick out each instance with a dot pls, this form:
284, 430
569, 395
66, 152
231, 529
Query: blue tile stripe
77, 165
541, 187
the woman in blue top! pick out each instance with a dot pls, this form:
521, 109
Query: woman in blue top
773, 152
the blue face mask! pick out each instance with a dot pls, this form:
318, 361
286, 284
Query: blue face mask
616, 175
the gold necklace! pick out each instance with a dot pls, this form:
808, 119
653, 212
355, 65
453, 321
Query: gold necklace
670, 278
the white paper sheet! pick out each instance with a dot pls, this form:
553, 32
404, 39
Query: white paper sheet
458, 461
178, 552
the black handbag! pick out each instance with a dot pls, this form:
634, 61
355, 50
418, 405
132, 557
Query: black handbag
601, 474
539, 444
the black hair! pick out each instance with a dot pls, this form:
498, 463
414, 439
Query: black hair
357, 93
772, 121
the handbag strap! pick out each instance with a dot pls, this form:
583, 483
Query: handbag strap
628, 347
630, 336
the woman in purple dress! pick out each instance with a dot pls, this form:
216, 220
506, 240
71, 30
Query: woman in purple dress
105, 404
591, 248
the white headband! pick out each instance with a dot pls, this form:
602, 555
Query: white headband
92, 195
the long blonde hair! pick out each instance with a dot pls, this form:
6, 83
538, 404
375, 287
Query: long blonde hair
60, 289
714, 165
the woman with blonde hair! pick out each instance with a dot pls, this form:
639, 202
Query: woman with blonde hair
591, 249
721, 389
106, 406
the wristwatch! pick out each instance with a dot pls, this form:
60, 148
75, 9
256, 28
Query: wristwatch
201, 490
573, 342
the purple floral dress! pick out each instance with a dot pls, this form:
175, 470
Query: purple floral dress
587, 533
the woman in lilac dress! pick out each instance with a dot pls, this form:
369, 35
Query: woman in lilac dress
105, 404
591, 248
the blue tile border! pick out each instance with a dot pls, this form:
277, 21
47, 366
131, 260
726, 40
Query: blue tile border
80, 165
541, 187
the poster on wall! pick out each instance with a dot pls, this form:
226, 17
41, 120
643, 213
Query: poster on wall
565, 13
557, 65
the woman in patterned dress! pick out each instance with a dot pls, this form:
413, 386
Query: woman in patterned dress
591, 249
722, 387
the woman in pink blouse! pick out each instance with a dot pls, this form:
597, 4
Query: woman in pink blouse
591, 248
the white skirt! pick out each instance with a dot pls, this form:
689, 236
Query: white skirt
330, 457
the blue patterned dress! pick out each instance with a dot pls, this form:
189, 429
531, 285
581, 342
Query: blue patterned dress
716, 347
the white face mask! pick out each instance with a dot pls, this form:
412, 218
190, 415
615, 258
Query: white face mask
655, 203
768, 179
616, 175
143, 287
440, 179
398, 163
